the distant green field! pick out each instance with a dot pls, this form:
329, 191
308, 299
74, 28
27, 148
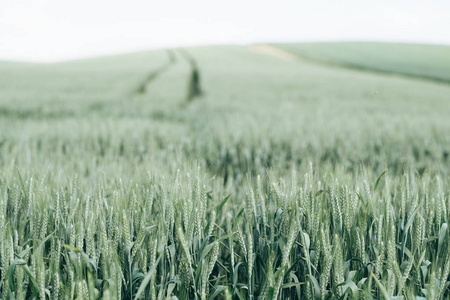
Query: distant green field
422, 61
114, 186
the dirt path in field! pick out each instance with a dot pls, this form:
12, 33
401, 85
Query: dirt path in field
287, 56
273, 51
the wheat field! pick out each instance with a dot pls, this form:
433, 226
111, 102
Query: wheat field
271, 179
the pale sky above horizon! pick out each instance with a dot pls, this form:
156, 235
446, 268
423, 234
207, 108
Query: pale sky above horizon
49, 30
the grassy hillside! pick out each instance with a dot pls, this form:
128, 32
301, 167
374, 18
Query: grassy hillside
422, 61
112, 184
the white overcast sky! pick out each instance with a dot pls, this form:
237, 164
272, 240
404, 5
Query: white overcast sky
44, 30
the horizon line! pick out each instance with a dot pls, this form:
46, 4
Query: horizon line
196, 45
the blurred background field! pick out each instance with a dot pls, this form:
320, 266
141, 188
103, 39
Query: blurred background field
258, 111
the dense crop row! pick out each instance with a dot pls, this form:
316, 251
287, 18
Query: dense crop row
311, 236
